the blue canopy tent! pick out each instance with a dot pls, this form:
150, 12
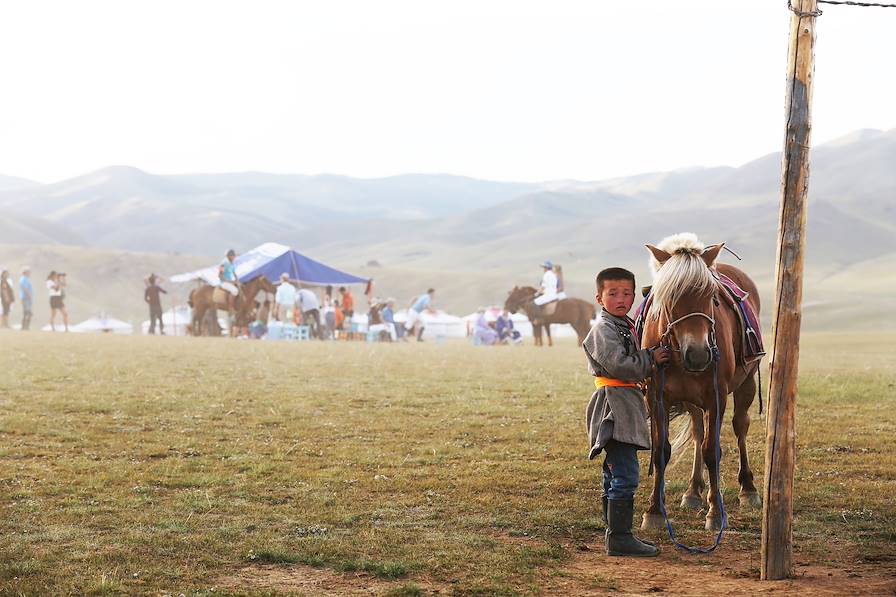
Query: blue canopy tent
302, 269
271, 260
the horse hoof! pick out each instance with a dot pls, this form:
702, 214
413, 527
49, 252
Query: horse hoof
691, 502
713, 523
652, 521
751, 500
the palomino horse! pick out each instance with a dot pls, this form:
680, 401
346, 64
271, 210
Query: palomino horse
576, 312
703, 333
203, 303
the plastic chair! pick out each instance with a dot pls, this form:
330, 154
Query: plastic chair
303, 332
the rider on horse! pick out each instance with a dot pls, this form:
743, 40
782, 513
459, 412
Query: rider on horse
228, 280
551, 289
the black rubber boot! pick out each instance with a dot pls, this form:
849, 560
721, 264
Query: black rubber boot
606, 523
620, 540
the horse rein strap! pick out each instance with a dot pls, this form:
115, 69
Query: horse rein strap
670, 330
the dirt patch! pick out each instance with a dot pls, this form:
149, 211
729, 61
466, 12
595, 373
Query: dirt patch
591, 572
306, 580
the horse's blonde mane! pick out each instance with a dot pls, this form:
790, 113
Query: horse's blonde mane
684, 273
681, 242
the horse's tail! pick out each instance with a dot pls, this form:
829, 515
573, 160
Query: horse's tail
682, 437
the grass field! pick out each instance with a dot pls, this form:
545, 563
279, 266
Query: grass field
132, 465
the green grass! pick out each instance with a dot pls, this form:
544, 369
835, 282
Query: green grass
131, 465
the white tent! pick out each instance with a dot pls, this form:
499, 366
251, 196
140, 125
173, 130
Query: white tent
521, 324
439, 324
175, 321
99, 324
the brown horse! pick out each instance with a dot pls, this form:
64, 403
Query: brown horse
204, 307
688, 316
576, 312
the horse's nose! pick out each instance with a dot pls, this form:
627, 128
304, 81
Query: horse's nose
696, 358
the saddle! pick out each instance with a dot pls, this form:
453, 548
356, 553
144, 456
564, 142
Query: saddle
736, 298
550, 308
219, 296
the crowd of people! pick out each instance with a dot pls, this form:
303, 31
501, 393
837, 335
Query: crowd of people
56, 285
329, 316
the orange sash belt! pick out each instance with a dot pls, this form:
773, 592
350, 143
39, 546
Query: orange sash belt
609, 382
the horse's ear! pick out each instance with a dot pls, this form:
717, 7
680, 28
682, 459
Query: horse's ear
711, 253
658, 254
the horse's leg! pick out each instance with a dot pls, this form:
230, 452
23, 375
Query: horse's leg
198, 316
693, 497
659, 424
743, 399
536, 332
714, 516
547, 330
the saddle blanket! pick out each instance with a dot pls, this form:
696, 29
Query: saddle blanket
736, 298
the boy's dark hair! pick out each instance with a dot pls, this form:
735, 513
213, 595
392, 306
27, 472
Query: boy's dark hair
613, 273
430, 291
342, 289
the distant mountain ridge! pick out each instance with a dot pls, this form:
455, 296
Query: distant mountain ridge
494, 232
126, 208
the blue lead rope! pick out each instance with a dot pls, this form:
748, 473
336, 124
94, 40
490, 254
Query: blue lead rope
662, 457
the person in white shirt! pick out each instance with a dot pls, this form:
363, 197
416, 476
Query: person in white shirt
55, 283
285, 299
309, 305
549, 282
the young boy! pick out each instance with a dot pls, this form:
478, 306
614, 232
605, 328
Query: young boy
617, 415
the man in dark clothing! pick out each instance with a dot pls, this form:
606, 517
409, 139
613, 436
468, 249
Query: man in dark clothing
152, 296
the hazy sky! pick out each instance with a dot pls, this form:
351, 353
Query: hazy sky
503, 90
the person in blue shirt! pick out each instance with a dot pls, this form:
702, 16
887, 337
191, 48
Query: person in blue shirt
228, 281
414, 322
388, 315
26, 293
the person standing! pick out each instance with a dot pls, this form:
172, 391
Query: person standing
26, 293
285, 299
414, 323
388, 315
7, 298
348, 303
616, 416
309, 305
55, 282
152, 296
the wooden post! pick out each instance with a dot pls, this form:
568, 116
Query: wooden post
777, 512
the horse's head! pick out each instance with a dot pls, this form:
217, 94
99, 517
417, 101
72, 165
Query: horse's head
265, 284
518, 297
684, 299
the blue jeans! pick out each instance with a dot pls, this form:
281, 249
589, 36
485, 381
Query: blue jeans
621, 470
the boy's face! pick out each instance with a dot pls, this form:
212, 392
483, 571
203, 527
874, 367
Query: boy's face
617, 297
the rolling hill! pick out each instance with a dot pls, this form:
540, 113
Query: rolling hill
476, 239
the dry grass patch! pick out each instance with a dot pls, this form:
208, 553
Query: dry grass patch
164, 465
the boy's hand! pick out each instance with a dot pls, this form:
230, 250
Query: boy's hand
661, 355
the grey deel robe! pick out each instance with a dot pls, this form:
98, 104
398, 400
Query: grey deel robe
616, 413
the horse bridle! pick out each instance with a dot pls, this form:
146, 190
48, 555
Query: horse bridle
713, 345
